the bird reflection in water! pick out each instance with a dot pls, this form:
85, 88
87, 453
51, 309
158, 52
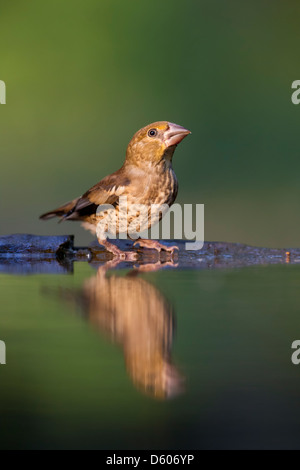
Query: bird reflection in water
139, 318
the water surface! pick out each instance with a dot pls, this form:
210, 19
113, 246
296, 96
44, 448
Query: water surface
173, 359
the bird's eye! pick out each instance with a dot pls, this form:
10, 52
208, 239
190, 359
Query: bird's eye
152, 133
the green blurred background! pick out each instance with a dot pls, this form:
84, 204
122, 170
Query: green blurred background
82, 77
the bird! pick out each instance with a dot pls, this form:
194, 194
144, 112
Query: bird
146, 179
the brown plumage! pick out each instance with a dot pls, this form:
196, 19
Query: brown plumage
146, 177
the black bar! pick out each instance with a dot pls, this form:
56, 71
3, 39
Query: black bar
143, 458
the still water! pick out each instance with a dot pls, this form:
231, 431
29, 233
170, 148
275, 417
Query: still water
173, 359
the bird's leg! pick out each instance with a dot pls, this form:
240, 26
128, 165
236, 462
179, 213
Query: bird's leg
117, 253
155, 245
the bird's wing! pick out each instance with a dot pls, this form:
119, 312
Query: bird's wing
60, 211
107, 191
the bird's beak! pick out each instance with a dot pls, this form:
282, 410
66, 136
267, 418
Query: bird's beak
175, 134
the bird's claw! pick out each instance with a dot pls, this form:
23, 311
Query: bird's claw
155, 245
117, 253
170, 249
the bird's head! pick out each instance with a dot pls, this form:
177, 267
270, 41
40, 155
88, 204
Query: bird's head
155, 142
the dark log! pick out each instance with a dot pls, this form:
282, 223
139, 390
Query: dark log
25, 254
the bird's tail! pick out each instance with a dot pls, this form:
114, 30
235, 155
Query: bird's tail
60, 211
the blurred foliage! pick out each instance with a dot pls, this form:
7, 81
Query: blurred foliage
82, 77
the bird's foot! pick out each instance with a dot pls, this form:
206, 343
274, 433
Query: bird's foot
155, 245
117, 253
